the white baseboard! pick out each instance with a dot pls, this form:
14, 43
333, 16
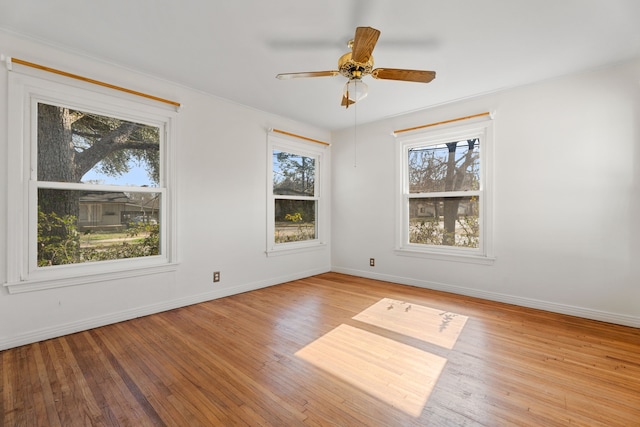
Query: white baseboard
94, 322
587, 313
85, 324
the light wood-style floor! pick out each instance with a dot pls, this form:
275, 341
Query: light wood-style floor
331, 350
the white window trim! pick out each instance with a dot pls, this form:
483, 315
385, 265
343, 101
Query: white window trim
481, 128
307, 149
25, 90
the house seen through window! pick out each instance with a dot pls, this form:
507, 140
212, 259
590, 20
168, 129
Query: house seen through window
444, 194
89, 222
91, 178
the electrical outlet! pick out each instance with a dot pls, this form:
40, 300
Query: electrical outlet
372, 262
216, 276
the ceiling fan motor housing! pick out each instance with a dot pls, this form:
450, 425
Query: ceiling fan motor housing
352, 69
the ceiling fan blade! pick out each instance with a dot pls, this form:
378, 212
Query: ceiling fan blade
346, 102
287, 76
363, 43
405, 75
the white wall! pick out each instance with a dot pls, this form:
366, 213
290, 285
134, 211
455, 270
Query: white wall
566, 203
566, 198
221, 163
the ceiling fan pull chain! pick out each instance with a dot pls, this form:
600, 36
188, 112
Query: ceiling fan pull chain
355, 135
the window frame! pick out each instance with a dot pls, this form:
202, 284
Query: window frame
481, 129
306, 149
25, 92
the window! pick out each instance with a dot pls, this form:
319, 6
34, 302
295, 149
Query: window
295, 208
93, 191
444, 197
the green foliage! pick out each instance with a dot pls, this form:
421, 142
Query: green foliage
303, 231
296, 217
59, 242
306, 208
145, 246
58, 239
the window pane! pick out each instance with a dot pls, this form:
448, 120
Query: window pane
453, 166
293, 175
83, 226
295, 220
444, 221
76, 146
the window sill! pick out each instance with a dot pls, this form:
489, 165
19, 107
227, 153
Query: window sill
446, 256
294, 248
51, 283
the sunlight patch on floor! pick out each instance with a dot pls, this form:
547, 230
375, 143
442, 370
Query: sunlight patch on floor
394, 372
417, 321
398, 374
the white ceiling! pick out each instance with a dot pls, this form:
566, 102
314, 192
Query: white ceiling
234, 49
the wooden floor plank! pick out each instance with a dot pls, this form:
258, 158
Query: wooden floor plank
43, 393
70, 410
9, 377
140, 366
329, 351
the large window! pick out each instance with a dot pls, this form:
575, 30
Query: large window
80, 223
294, 195
90, 185
444, 194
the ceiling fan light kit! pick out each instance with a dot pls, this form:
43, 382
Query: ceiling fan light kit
355, 90
358, 63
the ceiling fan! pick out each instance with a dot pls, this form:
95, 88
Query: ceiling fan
358, 63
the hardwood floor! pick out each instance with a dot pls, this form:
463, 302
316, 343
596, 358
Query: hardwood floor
331, 350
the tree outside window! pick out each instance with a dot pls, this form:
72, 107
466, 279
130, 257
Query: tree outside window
90, 222
294, 193
444, 208
438, 214
296, 211
90, 180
